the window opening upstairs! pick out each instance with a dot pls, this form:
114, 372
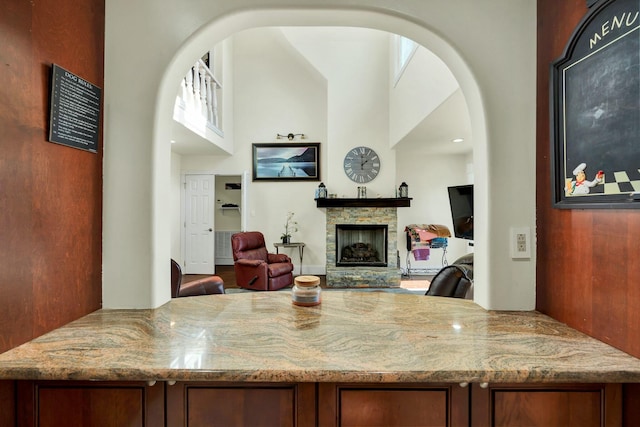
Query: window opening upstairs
404, 50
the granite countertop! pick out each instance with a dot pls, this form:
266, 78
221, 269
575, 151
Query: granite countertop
351, 337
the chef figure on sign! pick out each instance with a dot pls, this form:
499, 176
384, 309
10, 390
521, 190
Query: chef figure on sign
580, 185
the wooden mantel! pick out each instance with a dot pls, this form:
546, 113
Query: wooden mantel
395, 202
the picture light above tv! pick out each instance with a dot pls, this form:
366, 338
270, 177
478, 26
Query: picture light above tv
461, 202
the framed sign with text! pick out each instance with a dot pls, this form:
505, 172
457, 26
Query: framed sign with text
74, 118
595, 111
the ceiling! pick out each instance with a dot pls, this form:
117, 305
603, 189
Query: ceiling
436, 132
190, 143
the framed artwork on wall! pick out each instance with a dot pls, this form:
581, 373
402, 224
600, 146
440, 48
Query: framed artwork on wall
286, 161
595, 111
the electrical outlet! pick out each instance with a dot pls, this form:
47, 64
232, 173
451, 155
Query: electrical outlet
520, 243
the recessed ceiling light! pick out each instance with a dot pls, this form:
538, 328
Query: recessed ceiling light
457, 140
173, 141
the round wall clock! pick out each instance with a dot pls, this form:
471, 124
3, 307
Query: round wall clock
361, 164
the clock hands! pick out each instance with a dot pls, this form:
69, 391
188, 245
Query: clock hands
362, 162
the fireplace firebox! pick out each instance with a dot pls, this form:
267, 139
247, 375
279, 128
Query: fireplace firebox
361, 245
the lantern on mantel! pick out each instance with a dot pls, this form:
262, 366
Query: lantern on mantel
321, 192
403, 191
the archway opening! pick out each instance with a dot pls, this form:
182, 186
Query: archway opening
223, 28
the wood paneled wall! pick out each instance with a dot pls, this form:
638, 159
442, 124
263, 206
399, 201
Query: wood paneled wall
588, 272
50, 195
588, 268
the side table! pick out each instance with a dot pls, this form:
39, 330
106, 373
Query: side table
298, 245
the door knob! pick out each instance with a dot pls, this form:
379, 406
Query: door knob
211, 229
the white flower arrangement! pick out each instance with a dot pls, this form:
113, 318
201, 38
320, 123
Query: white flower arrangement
290, 226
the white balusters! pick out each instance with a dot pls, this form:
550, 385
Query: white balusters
214, 103
196, 87
209, 112
203, 90
199, 92
188, 96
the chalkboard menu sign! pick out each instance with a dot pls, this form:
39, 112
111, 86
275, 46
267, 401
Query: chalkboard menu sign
595, 111
75, 111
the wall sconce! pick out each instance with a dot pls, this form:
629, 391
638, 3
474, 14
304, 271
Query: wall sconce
291, 136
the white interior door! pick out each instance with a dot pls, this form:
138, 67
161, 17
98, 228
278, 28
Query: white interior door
199, 224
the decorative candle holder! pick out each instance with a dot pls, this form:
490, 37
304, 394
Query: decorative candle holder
404, 190
306, 291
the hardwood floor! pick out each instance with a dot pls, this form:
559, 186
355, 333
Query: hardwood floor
228, 276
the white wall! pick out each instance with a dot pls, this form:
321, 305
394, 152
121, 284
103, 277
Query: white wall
492, 59
355, 64
176, 207
424, 85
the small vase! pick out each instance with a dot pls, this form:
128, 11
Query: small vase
286, 239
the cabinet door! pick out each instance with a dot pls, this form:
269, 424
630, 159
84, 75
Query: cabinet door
549, 405
89, 404
240, 404
7, 403
393, 405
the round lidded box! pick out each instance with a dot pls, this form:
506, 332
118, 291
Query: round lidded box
306, 291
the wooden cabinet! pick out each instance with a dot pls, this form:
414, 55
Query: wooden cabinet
96, 404
505, 405
7, 403
548, 405
194, 404
386, 405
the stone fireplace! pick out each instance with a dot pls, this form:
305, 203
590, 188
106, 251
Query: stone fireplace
362, 247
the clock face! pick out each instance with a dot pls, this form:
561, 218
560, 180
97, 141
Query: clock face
361, 164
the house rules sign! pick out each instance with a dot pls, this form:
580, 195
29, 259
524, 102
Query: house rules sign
74, 110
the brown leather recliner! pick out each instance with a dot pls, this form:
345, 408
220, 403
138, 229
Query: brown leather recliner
205, 286
255, 267
455, 280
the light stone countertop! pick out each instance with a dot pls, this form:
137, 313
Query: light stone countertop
351, 337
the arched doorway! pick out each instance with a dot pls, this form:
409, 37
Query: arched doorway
224, 27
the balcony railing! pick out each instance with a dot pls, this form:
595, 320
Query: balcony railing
198, 96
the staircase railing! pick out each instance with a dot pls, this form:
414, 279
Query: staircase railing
199, 93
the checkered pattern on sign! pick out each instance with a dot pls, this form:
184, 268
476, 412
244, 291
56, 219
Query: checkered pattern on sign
621, 182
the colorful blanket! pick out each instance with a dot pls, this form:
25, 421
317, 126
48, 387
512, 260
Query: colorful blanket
427, 232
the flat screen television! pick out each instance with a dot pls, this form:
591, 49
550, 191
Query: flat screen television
461, 202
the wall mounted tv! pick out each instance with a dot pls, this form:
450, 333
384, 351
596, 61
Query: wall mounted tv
461, 201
